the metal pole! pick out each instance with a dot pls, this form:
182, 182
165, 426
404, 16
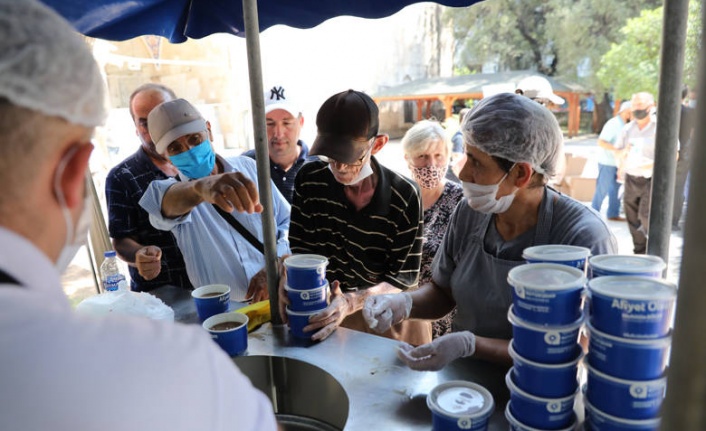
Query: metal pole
668, 113
683, 408
98, 234
252, 41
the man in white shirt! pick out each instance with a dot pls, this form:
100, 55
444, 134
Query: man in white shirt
60, 370
637, 141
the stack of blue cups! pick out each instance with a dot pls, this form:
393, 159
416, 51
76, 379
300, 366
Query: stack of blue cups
629, 328
307, 290
546, 318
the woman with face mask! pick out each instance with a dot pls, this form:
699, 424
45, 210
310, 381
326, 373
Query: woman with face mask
426, 150
512, 144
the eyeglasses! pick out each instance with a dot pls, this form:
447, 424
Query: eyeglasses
186, 142
341, 165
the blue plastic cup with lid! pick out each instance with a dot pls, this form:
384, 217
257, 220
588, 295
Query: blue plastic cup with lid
597, 420
623, 398
460, 405
571, 255
545, 343
307, 300
298, 320
626, 264
516, 425
540, 412
632, 307
306, 271
628, 358
546, 293
545, 380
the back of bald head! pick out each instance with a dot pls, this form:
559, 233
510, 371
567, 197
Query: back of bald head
165, 92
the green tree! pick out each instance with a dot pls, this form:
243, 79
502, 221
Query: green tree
511, 32
693, 43
632, 65
584, 30
551, 36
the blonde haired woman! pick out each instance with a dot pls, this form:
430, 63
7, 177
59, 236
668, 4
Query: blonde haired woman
426, 150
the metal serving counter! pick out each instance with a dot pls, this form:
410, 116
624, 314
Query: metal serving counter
383, 393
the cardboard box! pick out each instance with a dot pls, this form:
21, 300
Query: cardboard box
581, 188
562, 187
574, 165
573, 182
573, 168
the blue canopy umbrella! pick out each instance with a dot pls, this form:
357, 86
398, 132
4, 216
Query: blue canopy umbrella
178, 20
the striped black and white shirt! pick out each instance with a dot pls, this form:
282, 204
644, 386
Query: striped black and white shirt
381, 242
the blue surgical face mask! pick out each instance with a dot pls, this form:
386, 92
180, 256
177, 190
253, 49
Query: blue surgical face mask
196, 163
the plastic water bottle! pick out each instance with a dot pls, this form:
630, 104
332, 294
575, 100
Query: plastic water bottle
113, 280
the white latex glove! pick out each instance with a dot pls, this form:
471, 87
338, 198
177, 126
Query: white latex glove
332, 316
435, 355
382, 311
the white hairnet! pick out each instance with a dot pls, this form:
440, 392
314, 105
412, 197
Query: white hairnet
517, 129
45, 66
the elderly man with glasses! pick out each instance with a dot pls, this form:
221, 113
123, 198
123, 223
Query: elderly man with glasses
365, 218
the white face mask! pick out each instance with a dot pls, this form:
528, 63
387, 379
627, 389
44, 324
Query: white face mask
482, 197
75, 236
365, 171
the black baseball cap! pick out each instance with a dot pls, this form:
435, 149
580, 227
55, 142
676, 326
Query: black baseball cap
345, 122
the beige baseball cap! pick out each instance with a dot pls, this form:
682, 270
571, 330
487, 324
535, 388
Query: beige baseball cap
171, 120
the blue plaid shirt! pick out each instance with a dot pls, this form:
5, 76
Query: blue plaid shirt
124, 186
284, 180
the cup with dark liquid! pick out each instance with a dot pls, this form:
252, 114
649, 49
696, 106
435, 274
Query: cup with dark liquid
230, 331
211, 299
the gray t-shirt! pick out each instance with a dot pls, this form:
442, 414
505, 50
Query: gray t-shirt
477, 278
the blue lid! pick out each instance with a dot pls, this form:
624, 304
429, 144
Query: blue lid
109, 253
